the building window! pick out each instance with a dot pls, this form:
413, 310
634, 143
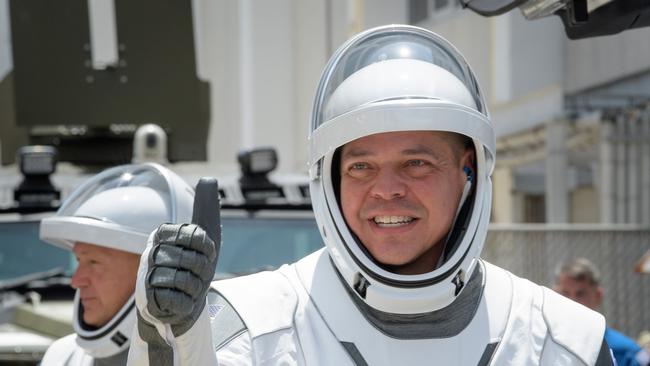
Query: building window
534, 208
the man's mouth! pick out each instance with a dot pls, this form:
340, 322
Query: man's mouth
87, 299
392, 221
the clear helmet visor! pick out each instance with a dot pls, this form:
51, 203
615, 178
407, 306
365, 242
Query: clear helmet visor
117, 179
396, 63
119, 208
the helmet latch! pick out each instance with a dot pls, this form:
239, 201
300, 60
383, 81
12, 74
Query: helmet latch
361, 286
459, 282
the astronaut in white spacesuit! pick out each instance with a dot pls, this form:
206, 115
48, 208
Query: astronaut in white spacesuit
106, 223
401, 153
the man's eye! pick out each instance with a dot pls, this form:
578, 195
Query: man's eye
416, 162
359, 170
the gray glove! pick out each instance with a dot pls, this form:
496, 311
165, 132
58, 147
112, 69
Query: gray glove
182, 262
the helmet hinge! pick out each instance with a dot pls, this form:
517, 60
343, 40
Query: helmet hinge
361, 286
458, 282
315, 171
119, 339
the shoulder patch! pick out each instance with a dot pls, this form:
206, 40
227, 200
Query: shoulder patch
225, 323
256, 296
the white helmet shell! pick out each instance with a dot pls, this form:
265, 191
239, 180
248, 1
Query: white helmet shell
387, 79
120, 207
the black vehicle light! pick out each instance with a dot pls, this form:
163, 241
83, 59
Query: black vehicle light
255, 165
36, 191
37, 160
258, 161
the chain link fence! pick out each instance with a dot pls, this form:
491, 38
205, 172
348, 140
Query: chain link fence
536, 251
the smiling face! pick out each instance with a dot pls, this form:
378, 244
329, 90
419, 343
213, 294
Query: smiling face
105, 279
400, 192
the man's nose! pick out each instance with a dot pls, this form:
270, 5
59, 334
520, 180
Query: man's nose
80, 277
388, 185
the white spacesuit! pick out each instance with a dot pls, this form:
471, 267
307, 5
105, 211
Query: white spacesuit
340, 306
116, 209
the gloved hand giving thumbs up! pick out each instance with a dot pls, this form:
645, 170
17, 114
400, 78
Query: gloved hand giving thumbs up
182, 261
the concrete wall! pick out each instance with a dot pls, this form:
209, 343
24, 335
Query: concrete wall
585, 207
503, 198
218, 56
382, 12
263, 60
527, 72
601, 60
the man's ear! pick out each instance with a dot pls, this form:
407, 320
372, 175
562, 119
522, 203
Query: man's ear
599, 296
467, 161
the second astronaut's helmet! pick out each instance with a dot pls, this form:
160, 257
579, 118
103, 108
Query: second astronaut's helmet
118, 209
389, 79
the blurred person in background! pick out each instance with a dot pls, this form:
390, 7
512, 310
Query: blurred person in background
105, 223
579, 280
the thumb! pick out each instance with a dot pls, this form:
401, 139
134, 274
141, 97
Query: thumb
206, 212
